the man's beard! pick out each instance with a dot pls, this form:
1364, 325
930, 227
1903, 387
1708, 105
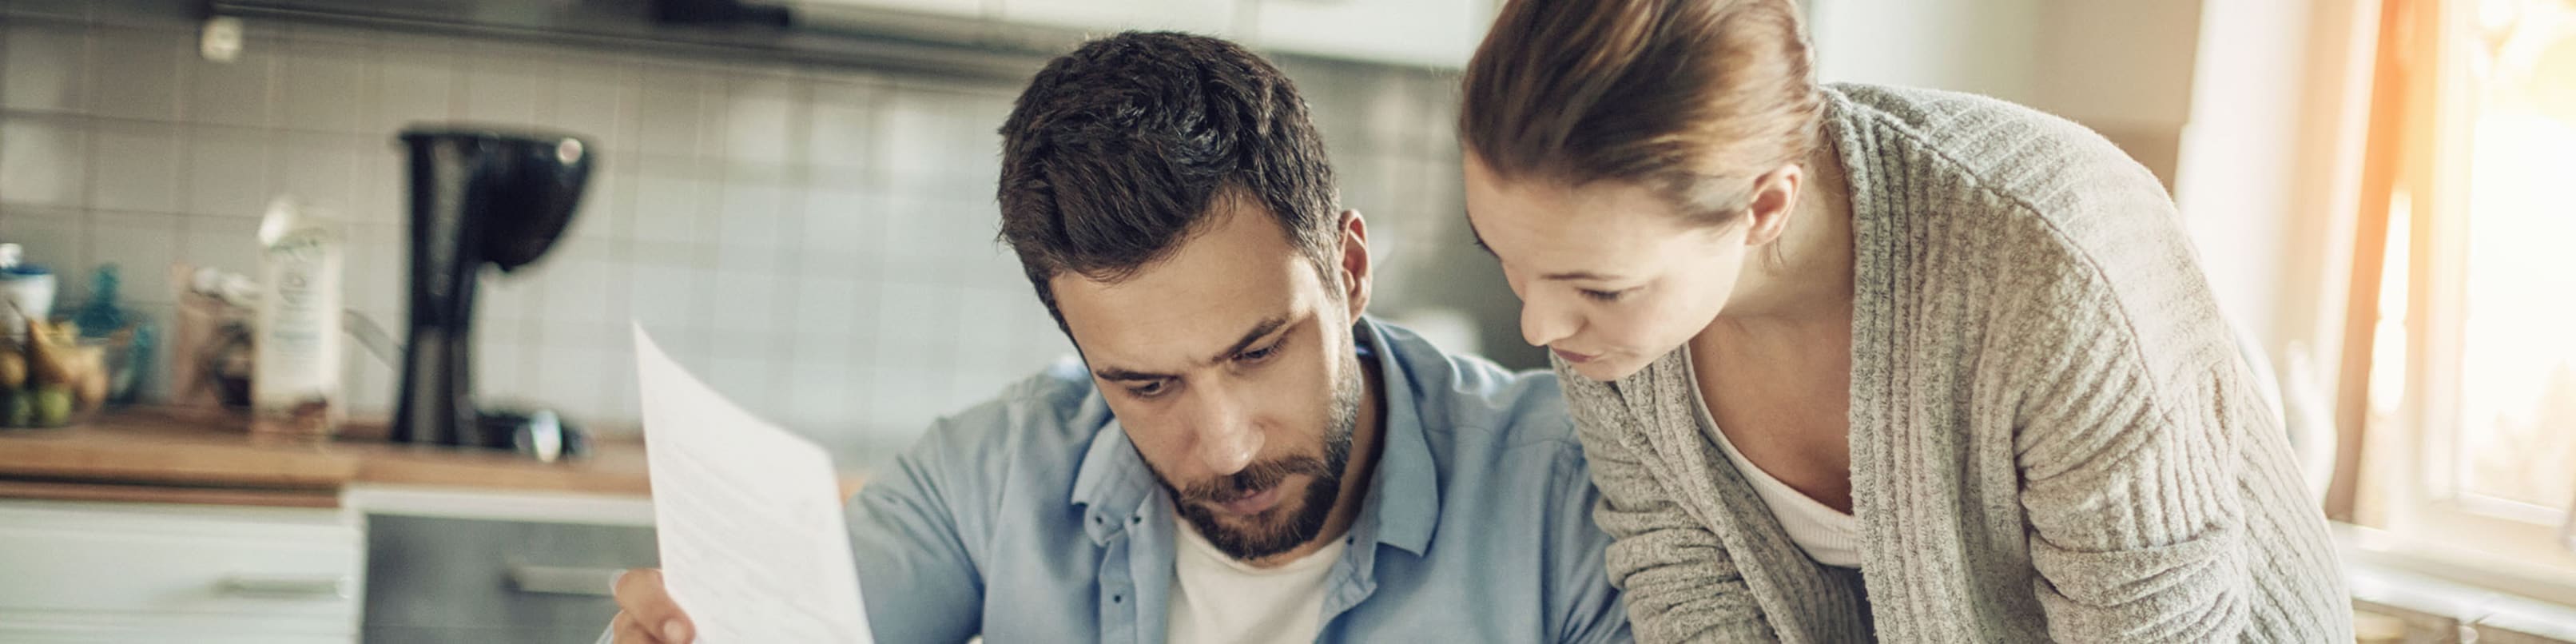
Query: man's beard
1260, 541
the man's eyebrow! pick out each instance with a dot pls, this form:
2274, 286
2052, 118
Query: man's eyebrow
1115, 374
1259, 330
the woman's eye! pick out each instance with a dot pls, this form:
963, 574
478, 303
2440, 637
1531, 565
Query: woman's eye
1605, 296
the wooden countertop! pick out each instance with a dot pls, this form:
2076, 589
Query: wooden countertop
186, 457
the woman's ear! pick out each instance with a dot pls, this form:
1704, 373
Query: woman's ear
1354, 269
1775, 195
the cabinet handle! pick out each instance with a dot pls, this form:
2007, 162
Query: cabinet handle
285, 586
564, 580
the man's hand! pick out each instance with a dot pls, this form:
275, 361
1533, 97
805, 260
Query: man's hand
646, 614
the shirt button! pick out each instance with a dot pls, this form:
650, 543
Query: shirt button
1135, 519
1117, 598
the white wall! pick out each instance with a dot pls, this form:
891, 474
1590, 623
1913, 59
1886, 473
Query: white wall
1988, 47
2121, 67
2248, 109
2241, 106
2239, 158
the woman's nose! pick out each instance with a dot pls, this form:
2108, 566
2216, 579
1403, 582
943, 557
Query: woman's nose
1543, 324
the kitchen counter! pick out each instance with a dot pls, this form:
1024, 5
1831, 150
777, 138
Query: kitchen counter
169, 456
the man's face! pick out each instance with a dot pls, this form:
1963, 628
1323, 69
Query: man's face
1231, 364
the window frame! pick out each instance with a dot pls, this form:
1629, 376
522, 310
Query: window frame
2416, 456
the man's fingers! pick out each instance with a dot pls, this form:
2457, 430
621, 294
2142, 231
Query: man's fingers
644, 602
627, 631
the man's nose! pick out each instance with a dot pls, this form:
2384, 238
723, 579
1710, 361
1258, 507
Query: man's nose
1226, 441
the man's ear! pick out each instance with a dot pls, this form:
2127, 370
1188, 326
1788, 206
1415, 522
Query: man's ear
1354, 269
1775, 195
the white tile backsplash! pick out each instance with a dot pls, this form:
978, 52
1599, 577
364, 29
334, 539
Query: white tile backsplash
672, 108
751, 381
44, 160
751, 215
320, 168
142, 246
43, 68
673, 201
136, 74
415, 84
817, 243
239, 92
744, 302
501, 362
377, 268
666, 295
135, 166
566, 374
58, 240
507, 86
839, 124
228, 172
764, 120
230, 244
329, 87
596, 99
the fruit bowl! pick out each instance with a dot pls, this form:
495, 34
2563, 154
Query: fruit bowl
55, 378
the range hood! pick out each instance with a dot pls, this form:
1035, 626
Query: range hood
797, 31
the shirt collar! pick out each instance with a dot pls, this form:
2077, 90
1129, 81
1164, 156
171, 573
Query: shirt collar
1403, 503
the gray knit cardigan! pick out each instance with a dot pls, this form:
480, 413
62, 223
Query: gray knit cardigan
2052, 434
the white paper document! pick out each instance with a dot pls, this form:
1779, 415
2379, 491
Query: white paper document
748, 514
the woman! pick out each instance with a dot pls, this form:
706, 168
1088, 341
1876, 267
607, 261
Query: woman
1858, 361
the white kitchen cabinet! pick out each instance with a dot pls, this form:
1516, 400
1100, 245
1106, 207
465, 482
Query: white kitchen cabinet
1423, 33
1431, 33
1208, 17
950, 8
97, 573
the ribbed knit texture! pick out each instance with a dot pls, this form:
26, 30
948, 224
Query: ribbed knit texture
2052, 436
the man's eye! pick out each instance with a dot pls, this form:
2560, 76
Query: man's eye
1148, 390
1606, 296
1257, 355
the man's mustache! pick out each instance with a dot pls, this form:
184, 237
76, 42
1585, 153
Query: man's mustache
1252, 480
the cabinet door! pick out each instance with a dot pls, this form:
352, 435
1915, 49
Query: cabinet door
100, 573
438, 579
1429, 33
1205, 17
950, 8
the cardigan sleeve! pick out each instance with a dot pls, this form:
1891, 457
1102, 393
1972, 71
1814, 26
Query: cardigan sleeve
2129, 434
1676, 577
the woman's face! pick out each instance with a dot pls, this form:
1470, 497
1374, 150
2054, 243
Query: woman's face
1609, 276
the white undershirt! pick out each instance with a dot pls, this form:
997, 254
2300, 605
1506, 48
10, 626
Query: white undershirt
1828, 535
1218, 599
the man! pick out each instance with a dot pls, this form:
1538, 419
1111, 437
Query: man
1248, 458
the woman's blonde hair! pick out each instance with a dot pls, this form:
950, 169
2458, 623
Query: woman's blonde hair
1694, 99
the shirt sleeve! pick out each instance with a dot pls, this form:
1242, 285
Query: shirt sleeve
1593, 612
914, 551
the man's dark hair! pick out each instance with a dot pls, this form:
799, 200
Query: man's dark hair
1118, 152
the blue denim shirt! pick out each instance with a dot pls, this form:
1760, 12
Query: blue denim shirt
1031, 518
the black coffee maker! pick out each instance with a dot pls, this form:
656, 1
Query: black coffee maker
478, 196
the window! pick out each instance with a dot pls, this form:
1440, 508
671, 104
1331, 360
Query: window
2472, 376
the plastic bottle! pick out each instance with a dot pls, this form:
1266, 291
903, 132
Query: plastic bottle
295, 377
28, 289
